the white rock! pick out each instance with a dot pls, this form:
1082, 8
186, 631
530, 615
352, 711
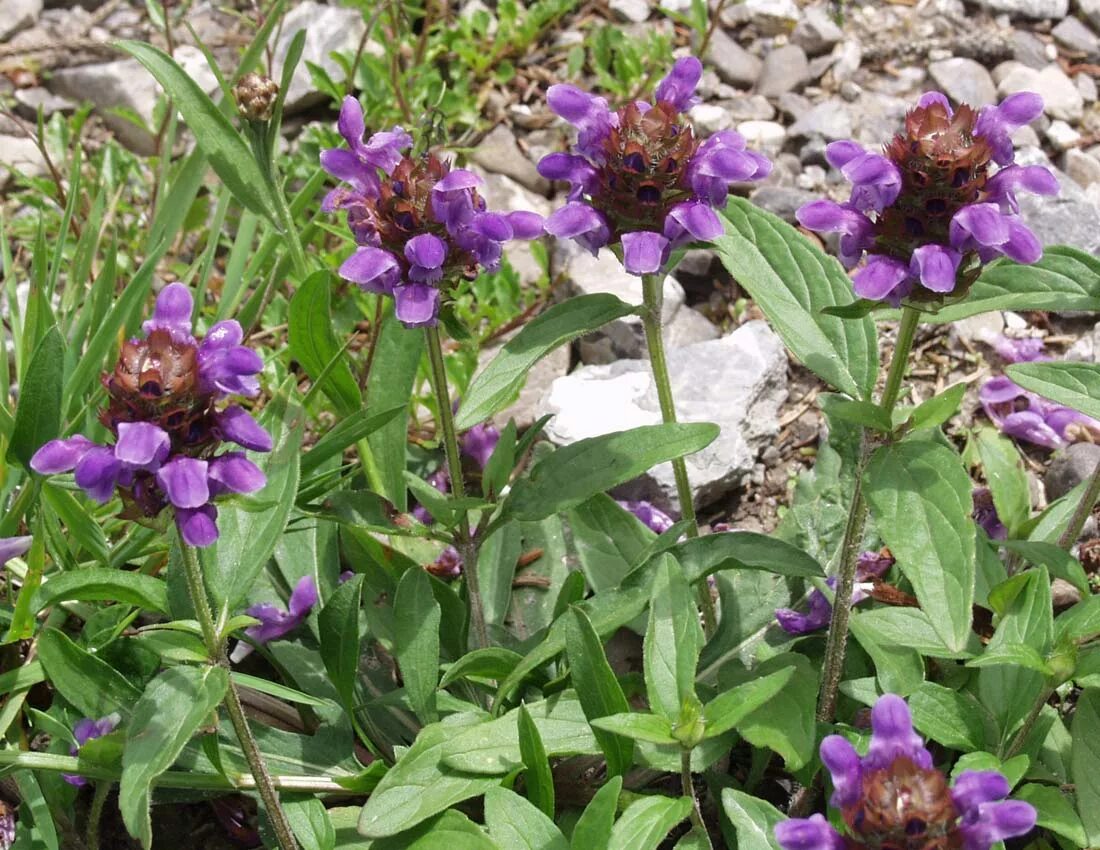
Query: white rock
1014, 321
1036, 9
1068, 218
329, 29
22, 155
1082, 167
112, 85
16, 15
1086, 85
499, 153
830, 119
1061, 99
1062, 136
547, 370
770, 17
734, 64
983, 327
737, 382
631, 11
709, 118
1090, 11
817, 32
765, 135
964, 81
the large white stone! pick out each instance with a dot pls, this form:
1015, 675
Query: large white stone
329, 29
964, 81
16, 15
737, 382
1037, 9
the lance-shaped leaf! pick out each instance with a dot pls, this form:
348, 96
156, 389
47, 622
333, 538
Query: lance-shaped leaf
1075, 385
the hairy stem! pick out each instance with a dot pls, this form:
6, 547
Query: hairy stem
95, 815
215, 648
1082, 512
464, 541
1020, 738
688, 790
652, 298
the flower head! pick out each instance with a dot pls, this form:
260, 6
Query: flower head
276, 622
167, 422
894, 797
933, 206
639, 177
871, 565
420, 224
87, 730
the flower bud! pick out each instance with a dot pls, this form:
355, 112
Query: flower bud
255, 95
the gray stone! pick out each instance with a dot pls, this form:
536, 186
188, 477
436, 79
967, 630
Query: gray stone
1061, 99
848, 57
112, 85
525, 409
1089, 10
499, 153
817, 32
765, 136
1068, 218
830, 119
35, 98
1074, 35
782, 201
1029, 49
749, 107
1086, 85
1082, 167
983, 327
737, 382
631, 11
734, 64
1070, 467
769, 17
16, 15
785, 69
1063, 594
709, 118
329, 29
22, 156
1035, 9
1061, 136
964, 81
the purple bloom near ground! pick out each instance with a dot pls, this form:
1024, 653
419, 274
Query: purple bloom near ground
276, 622
477, 444
652, 517
940, 201
13, 547
84, 731
420, 225
985, 514
894, 797
870, 565
165, 416
639, 177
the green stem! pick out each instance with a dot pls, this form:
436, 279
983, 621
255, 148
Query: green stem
180, 779
464, 541
215, 648
688, 789
1082, 512
256, 131
652, 299
1021, 736
95, 815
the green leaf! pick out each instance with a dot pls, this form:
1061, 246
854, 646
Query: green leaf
912, 628
597, 688
933, 412
792, 281
309, 820
898, 667
952, 718
786, 723
89, 683
646, 822
745, 550
452, 830
730, 707
38, 414
572, 474
513, 822
82, 527
919, 494
173, 707
753, 819
1073, 384
222, 145
338, 625
101, 585
638, 726
1060, 563
359, 425
313, 342
1084, 756
492, 662
672, 643
863, 413
609, 539
495, 386
1055, 811
1012, 655
536, 767
416, 637
593, 827
1063, 279
420, 786
1007, 480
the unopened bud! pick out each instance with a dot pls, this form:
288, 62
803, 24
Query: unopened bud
255, 95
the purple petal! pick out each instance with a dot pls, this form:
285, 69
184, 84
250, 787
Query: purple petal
857, 231
184, 481
930, 97
999, 390
1033, 427
880, 277
997, 821
691, 220
644, 252
839, 154
235, 473
142, 445
893, 736
97, 473
372, 270
345, 165
876, 182
60, 455
172, 312
812, 833
456, 180
416, 305
581, 223
979, 224
973, 787
350, 123
588, 113
1021, 108
678, 88
479, 443
816, 618
653, 518
383, 150
235, 425
1025, 350
302, 598
525, 224
843, 763
426, 254
492, 226
1022, 245
13, 547
936, 267
198, 526
1001, 188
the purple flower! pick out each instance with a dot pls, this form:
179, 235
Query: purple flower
420, 225
477, 444
447, 566
985, 514
163, 415
13, 547
638, 177
1027, 416
870, 566
894, 797
925, 215
87, 730
276, 622
1026, 350
652, 517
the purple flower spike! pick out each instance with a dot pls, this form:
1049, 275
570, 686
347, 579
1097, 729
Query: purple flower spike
141, 445
930, 211
87, 730
985, 514
184, 482
276, 622
426, 254
198, 526
172, 313
237, 426
97, 473
638, 177
894, 797
232, 472
13, 547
